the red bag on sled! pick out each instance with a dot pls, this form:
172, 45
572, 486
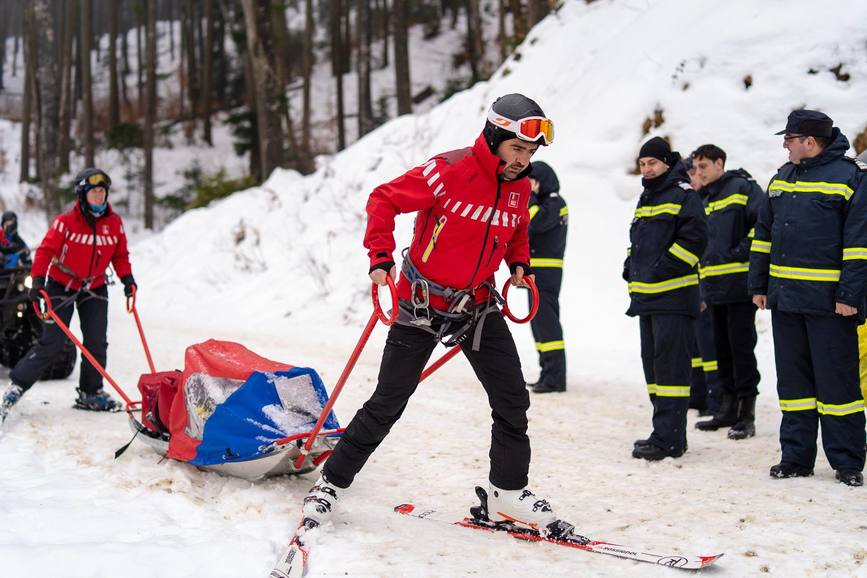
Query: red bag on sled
157, 394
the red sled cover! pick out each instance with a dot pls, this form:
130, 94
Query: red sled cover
213, 370
157, 395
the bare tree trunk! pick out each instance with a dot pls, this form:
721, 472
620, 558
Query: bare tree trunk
280, 34
365, 100
260, 46
49, 88
26, 106
189, 10
172, 17
519, 22
113, 99
5, 25
475, 42
150, 112
308, 72
385, 32
69, 28
401, 58
502, 40
337, 69
207, 70
537, 10
140, 13
124, 67
84, 38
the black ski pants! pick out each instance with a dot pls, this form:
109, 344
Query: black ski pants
407, 350
817, 382
665, 354
93, 317
734, 326
546, 328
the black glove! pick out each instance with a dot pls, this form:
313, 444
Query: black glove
129, 285
38, 284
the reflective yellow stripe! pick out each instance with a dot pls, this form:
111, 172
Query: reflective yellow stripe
672, 390
852, 253
696, 361
533, 210
840, 410
804, 274
656, 210
686, 256
752, 233
736, 199
564, 211
651, 388
709, 366
628, 251
544, 346
803, 404
760, 246
541, 262
820, 187
723, 269
663, 286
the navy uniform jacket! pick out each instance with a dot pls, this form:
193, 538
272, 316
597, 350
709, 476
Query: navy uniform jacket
667, 236
810, 246
549, 220
731, 204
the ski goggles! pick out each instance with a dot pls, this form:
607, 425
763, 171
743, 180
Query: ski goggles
97, 180
531, 128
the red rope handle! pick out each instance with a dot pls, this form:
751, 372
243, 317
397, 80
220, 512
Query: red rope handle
534, 308
130, 308
377, 308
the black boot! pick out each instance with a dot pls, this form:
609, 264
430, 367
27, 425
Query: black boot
850, 477
548, 388
746, 425
727, 415
654, 453
789, 470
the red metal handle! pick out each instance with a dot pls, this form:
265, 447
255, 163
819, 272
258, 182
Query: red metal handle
130, 308
49, 312
533, 308
377, 315
377, 308
440, 362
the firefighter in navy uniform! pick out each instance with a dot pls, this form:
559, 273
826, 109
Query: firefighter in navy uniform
808, 265
549, 219
731, 200
668, 234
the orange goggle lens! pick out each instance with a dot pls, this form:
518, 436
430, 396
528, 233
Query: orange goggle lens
99, 180
532, 128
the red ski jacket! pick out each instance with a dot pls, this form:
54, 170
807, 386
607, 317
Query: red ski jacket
468, 221
84, 248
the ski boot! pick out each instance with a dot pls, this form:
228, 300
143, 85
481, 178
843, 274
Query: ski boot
97, 401
9, 398
517, 508
319, 503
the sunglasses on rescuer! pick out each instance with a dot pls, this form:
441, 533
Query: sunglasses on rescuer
530, 128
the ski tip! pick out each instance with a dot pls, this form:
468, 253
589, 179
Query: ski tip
404, 509
708, 560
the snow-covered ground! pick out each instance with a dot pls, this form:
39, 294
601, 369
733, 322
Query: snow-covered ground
281, 269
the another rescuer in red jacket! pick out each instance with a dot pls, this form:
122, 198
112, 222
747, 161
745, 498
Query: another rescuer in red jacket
70, 266
472, 214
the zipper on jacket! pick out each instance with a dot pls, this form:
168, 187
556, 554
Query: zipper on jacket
487, 232
435, 234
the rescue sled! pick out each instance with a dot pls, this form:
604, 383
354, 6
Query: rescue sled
229, 410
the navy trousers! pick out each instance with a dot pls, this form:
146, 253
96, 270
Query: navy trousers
704, 384
665, 354
818, 383
546, 328
734, 327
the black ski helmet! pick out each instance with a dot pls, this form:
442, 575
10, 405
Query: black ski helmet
514, 107
11, 218
89, 178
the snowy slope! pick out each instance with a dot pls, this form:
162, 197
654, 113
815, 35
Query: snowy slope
281, 269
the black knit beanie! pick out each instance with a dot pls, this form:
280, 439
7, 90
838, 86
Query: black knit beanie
656, 148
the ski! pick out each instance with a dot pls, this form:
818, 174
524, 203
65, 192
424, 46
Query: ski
293, 561
568, 539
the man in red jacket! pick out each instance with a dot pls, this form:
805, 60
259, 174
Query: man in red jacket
472, 213
70, 266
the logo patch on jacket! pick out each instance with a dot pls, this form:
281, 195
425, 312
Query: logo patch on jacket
105, 230
513, 199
